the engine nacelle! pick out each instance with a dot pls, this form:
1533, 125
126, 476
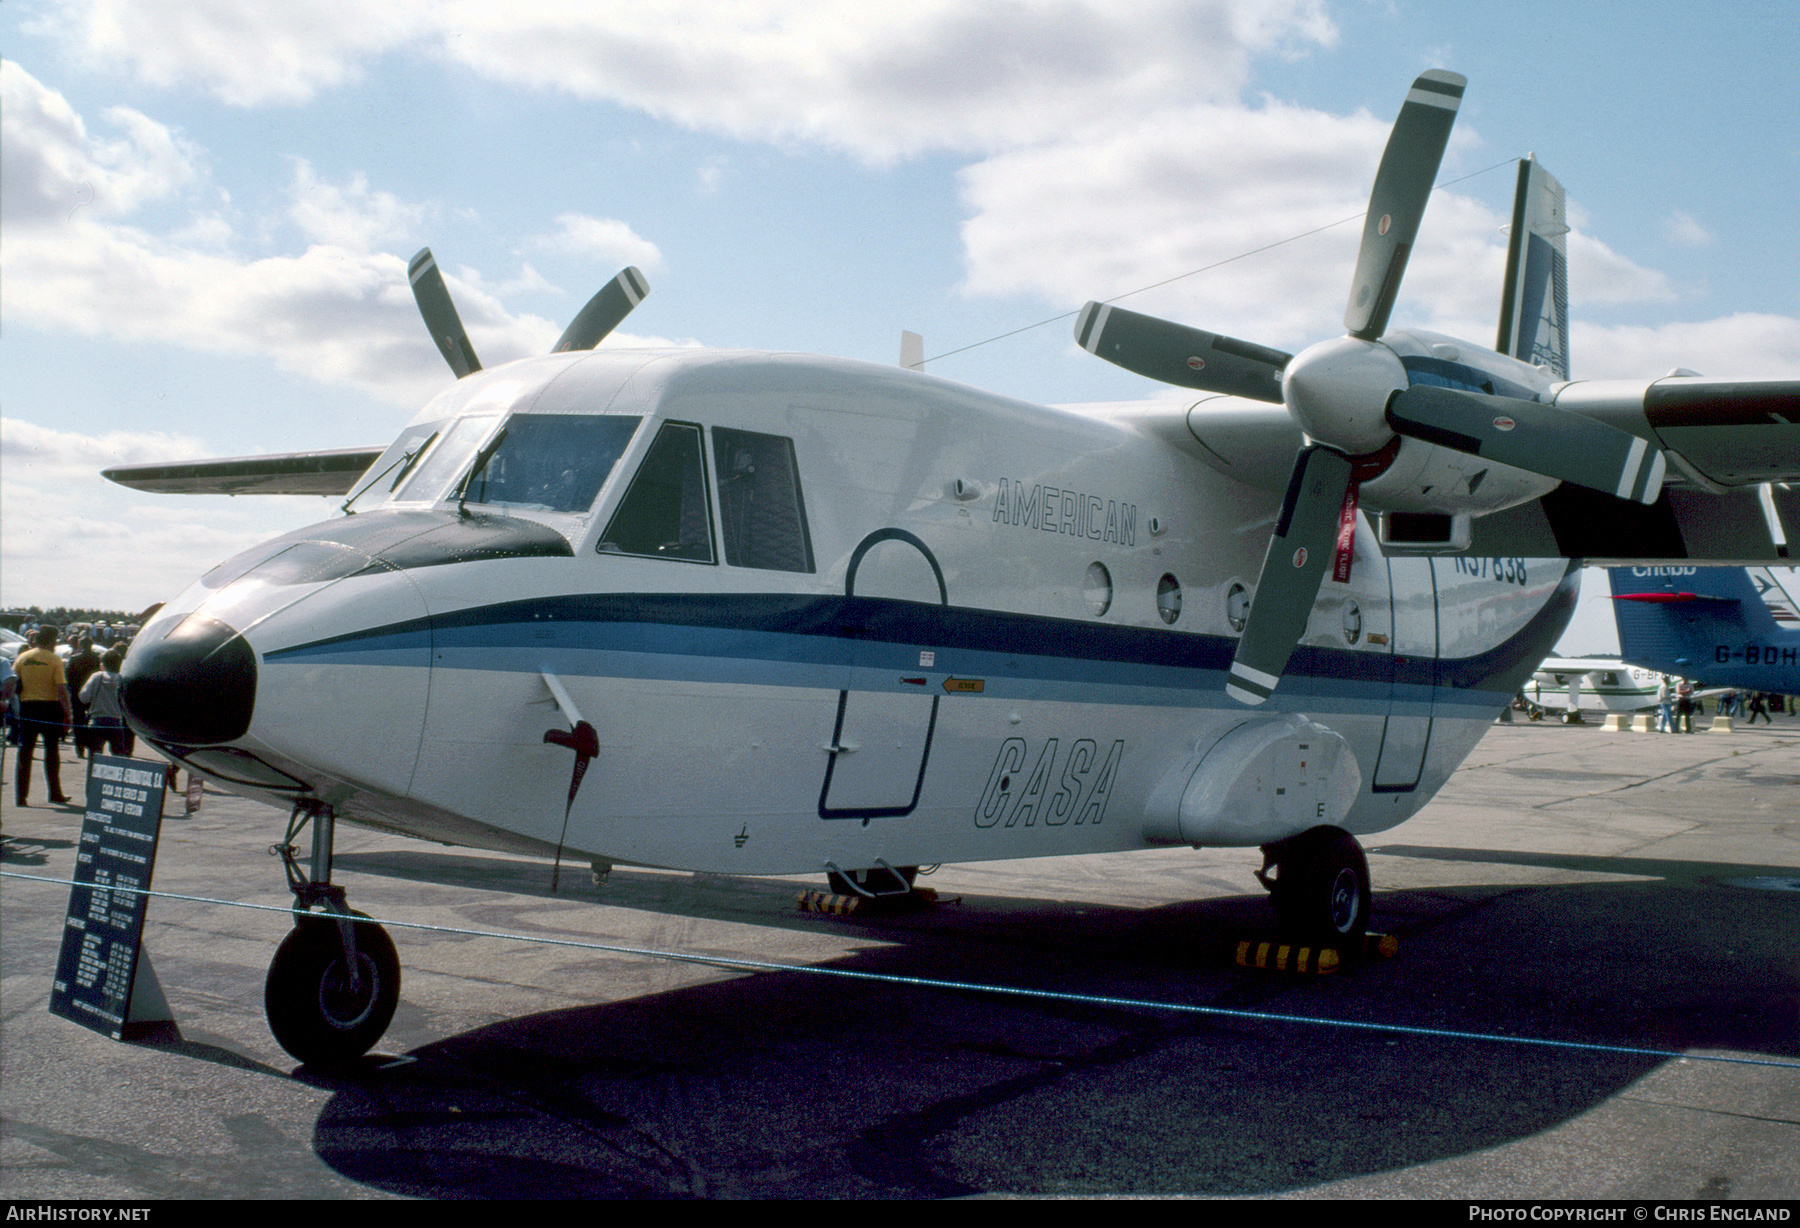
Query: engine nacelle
1427, 478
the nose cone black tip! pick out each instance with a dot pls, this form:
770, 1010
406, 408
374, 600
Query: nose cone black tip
196, 686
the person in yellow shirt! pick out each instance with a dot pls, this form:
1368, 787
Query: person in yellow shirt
44, 711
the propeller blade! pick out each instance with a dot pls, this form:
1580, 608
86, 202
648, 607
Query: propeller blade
440, 315
1541, 439
604, 311
1179, 355
1291, 573
1409, 166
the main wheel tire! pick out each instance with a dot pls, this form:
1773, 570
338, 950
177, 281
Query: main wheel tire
1322, 893
875, 881
313, 1011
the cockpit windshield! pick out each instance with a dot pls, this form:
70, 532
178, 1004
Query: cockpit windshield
533, 462
550, 462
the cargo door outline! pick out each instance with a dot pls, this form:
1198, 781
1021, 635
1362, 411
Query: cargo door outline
1406, 736
881, 740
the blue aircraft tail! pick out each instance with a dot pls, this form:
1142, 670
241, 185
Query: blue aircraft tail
1709, 624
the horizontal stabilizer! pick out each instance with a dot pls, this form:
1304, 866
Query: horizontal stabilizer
289, 473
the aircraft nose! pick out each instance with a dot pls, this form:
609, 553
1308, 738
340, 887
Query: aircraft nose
194, 686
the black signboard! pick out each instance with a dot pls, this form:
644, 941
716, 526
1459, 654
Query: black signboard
99, 967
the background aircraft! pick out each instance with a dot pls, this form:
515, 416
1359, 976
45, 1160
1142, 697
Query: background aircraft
1720, 625
808, 614
1565, 685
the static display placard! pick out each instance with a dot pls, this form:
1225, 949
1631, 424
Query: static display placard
101, 934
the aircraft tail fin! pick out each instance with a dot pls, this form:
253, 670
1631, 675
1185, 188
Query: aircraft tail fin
1534, 305
1778, 593
1675, 619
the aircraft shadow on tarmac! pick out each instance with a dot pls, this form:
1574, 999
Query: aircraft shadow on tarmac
796, 1085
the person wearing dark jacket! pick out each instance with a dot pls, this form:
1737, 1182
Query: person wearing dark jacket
83, 664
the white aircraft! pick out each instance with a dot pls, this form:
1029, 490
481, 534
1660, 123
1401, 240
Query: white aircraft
1593, 682
795, 614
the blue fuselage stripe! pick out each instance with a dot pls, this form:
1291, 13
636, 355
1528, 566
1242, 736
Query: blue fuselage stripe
875, 643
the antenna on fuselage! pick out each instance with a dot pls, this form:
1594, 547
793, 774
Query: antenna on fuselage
912, 351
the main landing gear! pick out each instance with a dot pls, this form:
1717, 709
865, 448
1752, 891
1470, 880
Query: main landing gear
882, 881
1320, 887
335, 980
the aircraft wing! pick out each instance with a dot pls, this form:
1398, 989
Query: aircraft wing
1579, 665
1732, 493
1716, 433
1731, 496
289, 473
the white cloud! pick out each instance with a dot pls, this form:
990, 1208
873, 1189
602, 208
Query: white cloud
246, 54
56, 457
879, 81
78, 258
1681, 229
527, 281
1598, 274
885, 81
73, 538
56, 172
601, 238
1110, 210
350, 215
1747, 345
712, 173
1240, 194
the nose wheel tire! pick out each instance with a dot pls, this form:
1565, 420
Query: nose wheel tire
317, 1011
1322, 893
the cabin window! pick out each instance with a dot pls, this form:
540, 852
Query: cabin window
1237, 606
1168, 598
759, 501
1098, 589
551, 462
665, 513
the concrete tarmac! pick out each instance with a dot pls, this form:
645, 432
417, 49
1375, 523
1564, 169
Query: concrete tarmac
1620, 891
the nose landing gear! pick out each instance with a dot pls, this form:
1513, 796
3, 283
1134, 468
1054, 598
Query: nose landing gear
335, 980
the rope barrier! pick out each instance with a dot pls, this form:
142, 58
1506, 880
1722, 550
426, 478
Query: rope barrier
739, 964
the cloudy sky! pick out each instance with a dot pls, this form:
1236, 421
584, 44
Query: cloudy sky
208, 205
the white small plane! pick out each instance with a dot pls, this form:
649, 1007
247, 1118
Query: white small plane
794, 614
1592, 682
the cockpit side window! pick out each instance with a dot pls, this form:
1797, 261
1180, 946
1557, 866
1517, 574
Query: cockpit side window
444, 463
551, 462
1440, 373
760, 506
395, 465
666, 513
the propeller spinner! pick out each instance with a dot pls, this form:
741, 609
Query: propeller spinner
1352, 397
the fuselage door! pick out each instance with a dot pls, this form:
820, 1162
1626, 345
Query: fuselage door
887, 711
1414, 663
